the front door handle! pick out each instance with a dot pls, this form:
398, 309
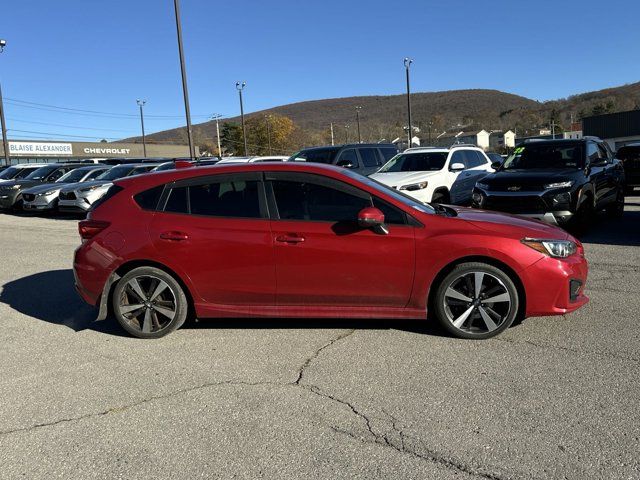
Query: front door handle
290, 238
174, 236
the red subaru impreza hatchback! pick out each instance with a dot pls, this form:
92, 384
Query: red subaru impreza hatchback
303, 240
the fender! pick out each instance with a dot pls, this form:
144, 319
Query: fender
586, 188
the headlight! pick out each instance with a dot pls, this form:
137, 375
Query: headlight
50, 192
88, 189
553, 248
483, 186
414, 186
559, 185
15, 187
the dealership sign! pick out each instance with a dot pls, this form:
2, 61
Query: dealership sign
40, 149
104, 151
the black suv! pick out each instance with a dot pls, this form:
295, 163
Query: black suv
364, 158
11, 192
558, 181
629, 155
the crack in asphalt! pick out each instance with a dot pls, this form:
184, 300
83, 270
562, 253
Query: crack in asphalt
374, 437
572, 350
123, 408
315, 355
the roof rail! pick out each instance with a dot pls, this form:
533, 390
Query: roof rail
457, 145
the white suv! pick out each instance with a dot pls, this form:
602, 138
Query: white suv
441, 175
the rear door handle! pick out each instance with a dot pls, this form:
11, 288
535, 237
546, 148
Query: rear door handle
174, 236
290, 238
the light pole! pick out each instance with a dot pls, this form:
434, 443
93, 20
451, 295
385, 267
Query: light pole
240, 86
407, 64
5, 141
215, 117
346, 134
185, 92
144, 140
266, 118
331, 127
358, 120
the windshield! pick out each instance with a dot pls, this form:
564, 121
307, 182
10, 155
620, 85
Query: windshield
545, 156
72, 177
316, 155
415, 162
115, 173
9, 173
392, 192
41, 173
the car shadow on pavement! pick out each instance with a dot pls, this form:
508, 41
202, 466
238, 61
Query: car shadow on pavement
51, 297
615, 231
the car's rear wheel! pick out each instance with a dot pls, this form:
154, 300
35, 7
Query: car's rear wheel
149, 303
476, 301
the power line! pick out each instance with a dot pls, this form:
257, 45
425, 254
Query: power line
71, 126
78, 111
61, 134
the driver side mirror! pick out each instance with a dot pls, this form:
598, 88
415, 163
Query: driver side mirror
345, 164
456, 167
373, 218
496, 165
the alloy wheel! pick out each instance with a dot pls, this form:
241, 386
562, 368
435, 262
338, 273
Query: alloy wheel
477, 302
147, 303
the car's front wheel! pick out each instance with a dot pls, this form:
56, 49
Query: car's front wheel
476, 301
149, 303
616, 209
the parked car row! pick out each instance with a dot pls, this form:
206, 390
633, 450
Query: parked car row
563, 182
76, 187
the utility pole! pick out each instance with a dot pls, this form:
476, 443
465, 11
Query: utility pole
215, 117
407, 64
358, 120
5, 140
331, 126
144, 141
346, 134
183, 71
240, 86
266, 117
553, 129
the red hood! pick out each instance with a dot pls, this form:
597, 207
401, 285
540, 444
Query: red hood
510, 225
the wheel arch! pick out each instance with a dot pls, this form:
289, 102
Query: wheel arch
444, 271
130, 265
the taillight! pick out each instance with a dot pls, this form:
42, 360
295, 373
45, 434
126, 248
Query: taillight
90, 228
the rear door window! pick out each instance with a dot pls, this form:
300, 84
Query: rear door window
473, 158
349, 155
369, 157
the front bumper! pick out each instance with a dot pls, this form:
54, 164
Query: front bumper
555, 286
536, 205
8, 199
40, 203
80, 204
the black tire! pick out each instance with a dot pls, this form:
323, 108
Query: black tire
151, 319
465, 314
441, 196
616, 209
584, 217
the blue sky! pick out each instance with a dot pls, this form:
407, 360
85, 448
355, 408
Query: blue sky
103, 55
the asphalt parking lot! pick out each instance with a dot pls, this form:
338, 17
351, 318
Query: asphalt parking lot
553, 397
